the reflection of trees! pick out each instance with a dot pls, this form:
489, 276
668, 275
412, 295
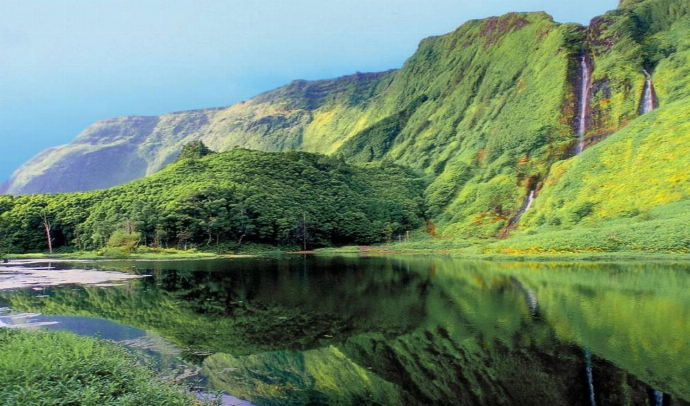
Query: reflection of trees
257, 305
460, 334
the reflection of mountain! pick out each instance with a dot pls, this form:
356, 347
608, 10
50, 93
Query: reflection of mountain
324, 376
636, 317
479, 345
408, 331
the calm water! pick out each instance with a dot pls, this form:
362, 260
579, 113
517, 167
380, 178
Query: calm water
397, 330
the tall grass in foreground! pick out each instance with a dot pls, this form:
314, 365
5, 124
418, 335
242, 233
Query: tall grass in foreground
60, 368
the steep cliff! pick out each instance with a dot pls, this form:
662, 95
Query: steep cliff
484, 113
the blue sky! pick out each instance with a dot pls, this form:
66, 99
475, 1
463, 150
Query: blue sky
66, 64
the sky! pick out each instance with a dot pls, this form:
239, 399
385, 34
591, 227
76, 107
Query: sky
67, 64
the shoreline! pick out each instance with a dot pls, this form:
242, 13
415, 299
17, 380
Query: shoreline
89, 257
27, 259
537, 257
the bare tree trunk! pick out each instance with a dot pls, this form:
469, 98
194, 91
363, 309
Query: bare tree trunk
46, 225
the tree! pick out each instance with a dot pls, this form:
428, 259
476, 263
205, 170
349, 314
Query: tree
46, 226
5, 246
126, 240
194, 150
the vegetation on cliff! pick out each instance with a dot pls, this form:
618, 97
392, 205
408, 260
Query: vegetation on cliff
487, 115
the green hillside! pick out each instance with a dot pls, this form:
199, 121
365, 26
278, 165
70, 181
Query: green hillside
227, 199
488, 114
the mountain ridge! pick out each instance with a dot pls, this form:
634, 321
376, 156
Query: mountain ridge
485, 112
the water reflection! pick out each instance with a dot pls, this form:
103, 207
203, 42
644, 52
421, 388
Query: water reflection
409, 330
590, 377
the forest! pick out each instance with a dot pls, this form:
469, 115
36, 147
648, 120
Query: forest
220, 201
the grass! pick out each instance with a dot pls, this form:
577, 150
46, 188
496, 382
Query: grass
469, 254
614, 241
118, 254
59, 368
250, 249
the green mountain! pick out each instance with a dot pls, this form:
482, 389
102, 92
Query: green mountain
493, 114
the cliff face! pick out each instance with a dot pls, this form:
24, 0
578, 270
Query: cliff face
485, 112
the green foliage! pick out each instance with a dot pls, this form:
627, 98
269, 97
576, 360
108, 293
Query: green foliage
194, 150
56, 368
125, 240
373, 143
232, 198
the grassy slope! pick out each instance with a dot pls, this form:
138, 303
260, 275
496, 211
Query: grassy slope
482, 129
629, 193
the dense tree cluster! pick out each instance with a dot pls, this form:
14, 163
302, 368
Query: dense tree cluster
228, 199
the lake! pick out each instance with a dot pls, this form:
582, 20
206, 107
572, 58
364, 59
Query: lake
399, 330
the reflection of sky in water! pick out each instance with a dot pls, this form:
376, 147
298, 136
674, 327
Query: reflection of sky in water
87, 326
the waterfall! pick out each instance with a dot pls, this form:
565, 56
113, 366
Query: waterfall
590, 377
658, 398
530, 200
526, 205
648, 96
584, 104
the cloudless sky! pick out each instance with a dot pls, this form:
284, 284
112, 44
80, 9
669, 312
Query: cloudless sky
67, 64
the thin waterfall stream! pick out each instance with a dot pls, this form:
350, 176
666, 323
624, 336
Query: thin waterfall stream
658, 398
526, 205
648, 95
585, 87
